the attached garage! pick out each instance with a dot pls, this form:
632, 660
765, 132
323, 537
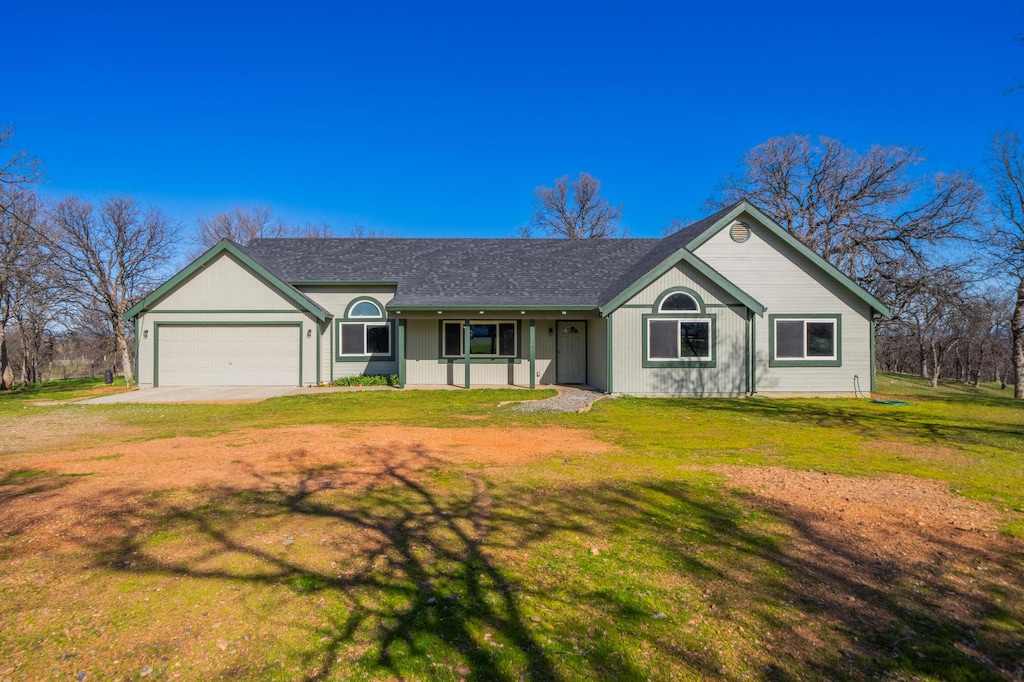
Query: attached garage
228, 354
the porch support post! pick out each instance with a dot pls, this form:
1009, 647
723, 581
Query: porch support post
874, 363
465, 349
749, 350
533, 353
753, 356
401, 353
611, 352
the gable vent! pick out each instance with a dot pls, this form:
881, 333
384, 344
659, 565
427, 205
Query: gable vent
740, 232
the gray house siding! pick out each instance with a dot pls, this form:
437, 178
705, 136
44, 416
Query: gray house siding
729, 334
226, 293
597, 353
787, 283
425, 364
336, 299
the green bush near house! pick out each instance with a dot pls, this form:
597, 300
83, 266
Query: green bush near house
367, 380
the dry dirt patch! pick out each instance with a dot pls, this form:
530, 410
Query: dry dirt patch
870, 551
336, 456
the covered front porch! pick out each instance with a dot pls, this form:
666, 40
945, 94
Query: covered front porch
502, 348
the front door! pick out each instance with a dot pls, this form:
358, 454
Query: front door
571, 362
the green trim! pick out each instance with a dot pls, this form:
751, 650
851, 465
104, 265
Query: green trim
359, 299
753, 356
635, 305
837, 362
401, 353
136, 350
340, 283
698, 265
486, 308
693, 364
480, 361
224, 245
678, 290
331, 348
610, 358
533, 353
873, 361
777, 230
377, 322
466, 340
245, 311
319, 360
746, 352
257, 323
442, 358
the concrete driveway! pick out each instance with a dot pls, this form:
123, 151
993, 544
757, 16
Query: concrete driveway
194, 394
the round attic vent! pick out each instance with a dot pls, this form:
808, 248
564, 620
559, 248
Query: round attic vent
740, 232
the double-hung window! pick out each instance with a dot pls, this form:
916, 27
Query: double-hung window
487, 339
812, 340
364, 332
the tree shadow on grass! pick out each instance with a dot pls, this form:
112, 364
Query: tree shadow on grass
441, 571
873, 421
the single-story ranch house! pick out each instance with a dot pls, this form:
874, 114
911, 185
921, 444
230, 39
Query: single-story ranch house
732, 305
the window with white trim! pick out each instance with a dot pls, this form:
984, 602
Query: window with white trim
364, 332
365, 309
487, 339
679, 339
805, 339
679, 301
365, 338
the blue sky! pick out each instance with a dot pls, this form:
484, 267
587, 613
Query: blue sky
439, 119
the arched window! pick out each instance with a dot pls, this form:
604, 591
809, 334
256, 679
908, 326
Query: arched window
364, 333
679, 301
365, 309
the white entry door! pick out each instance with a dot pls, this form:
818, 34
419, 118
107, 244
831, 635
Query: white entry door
229, 355
571, 362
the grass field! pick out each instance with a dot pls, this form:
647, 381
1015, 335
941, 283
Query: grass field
436, 535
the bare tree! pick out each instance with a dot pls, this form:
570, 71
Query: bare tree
320, 230
18, 172
362, 232
1005, 238
574, 210
239, 224
111, 257
866, 214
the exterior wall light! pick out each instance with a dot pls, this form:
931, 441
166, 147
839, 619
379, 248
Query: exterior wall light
309, 333
145, 333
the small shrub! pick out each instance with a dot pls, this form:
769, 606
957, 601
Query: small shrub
367, 380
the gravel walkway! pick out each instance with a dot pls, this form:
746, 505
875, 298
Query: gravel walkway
569, 399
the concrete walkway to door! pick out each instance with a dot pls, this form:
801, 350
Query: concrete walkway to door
194, 394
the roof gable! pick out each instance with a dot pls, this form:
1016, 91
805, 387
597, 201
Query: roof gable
727, 215
225, 246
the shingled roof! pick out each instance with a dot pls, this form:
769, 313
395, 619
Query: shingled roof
462, 272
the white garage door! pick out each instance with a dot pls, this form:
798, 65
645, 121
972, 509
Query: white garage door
228, 356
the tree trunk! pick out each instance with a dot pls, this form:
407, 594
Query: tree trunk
123, 349
6, 375
935, 365
1017, 334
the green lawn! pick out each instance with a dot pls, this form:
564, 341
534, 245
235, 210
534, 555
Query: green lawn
636, 561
